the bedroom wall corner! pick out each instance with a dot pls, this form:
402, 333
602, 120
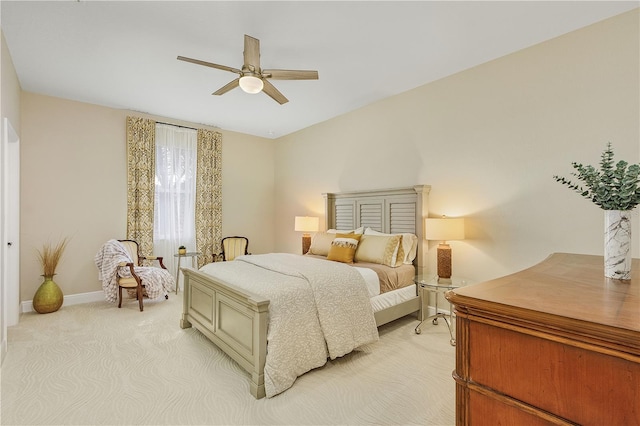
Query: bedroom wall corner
10, 87
488, 140
75, 184
248, 191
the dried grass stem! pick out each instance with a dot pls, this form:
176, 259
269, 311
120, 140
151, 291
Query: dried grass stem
50, 257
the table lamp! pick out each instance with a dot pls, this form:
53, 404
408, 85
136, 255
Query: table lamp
443, 230
306, 224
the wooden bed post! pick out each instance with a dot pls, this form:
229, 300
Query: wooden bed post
422, 212
184, 322
328, 211
260, 322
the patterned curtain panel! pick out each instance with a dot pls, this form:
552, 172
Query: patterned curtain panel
141, 166
208, 195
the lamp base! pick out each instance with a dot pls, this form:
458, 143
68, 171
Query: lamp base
444, 263
306, 243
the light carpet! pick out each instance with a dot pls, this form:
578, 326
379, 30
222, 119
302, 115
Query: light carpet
96, 364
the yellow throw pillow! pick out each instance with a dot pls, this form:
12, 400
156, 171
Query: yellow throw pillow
343, 247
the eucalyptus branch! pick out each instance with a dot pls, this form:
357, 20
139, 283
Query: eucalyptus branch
616, 186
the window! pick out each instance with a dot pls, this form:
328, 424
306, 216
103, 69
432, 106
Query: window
175, 190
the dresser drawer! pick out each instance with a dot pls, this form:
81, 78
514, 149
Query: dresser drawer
572, 381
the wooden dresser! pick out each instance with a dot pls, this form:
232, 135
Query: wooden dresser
554, 344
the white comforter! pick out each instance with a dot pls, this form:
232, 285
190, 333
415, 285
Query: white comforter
318, 309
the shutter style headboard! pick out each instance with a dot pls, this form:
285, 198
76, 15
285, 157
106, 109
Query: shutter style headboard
392, 211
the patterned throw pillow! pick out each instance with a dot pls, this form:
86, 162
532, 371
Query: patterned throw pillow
385, 250
343, 247
409, 244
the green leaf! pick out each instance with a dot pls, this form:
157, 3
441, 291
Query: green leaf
615, 186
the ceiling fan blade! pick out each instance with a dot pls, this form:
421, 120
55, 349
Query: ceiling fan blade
209, 64
224, 89
290, 74
271, 90
252, 53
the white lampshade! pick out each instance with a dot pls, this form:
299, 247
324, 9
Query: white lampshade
251, 84
307, 224
444, 229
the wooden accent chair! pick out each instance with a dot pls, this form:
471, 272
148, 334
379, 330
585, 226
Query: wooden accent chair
233, 247
134, 281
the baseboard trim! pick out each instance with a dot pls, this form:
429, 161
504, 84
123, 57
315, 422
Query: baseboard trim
97, 296
72, 299
3, 351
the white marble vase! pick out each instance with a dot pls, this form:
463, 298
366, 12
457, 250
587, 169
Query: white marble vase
617, 244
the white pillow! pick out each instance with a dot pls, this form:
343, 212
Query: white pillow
352, 231
409, 244
321, 243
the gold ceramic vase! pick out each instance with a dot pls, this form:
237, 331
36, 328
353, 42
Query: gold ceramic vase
48, 298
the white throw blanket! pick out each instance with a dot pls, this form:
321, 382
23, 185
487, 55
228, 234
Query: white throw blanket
157, 282
318, 309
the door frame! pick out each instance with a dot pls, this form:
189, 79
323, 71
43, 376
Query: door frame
9, 231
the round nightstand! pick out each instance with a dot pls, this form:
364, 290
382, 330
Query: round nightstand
432, 285
193, 255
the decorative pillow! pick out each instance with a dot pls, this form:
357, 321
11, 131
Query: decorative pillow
343, 247
385, 250
321, 243
352, 231
409, 244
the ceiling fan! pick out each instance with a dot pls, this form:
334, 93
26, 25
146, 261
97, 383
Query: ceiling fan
253, 79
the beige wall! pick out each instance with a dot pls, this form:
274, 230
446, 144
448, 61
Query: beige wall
488, 140
74, 184
9, 88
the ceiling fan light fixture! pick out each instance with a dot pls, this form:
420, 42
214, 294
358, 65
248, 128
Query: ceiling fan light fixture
251, 78
251, 84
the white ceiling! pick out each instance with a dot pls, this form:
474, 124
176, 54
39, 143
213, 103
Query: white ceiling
122, 54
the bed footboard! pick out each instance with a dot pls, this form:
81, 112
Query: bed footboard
233, 319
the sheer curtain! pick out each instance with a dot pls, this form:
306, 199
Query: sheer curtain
175, 190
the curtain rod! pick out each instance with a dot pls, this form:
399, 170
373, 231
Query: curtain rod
176, 125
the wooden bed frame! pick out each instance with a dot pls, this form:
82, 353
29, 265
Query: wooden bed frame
235, 320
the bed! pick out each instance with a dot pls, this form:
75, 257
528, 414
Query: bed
237, 320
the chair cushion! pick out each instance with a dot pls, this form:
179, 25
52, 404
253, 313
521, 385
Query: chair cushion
127, 282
